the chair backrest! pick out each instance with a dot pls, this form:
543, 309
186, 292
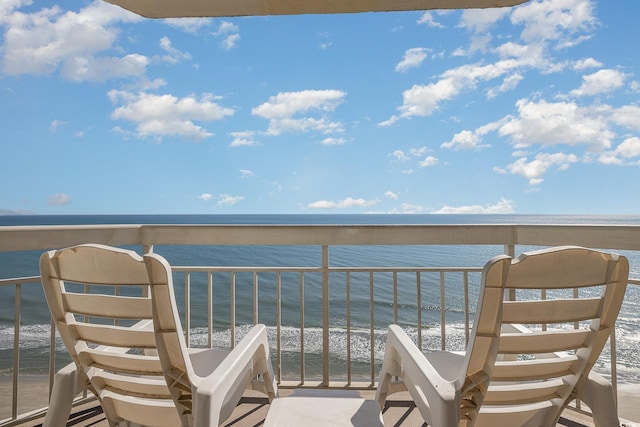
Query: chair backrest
172, 346
98, 297
206, 385
483, 341
567, 299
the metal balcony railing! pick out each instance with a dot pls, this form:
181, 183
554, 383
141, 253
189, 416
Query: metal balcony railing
326, 321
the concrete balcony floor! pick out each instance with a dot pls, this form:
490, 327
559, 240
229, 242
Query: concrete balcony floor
252, 409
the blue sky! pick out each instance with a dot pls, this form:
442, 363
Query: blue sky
531, 109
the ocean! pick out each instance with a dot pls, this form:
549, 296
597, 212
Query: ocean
35, 330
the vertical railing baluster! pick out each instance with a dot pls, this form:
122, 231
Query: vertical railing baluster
443, 330
372, 337
511, 251
278, 326
465, 279
16, 350
255, 298
232, 309
348, 327
543, 296
187, 308
614, 364
302, 361
419, 304
576, 324
146, 249
210, 308
395, 297
52, 356
325, 315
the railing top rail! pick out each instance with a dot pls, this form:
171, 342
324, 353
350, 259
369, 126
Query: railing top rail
23, 238
19, 280
244, 269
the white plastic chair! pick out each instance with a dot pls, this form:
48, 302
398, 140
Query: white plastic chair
208, 392
109, 335
536, 373
448, 388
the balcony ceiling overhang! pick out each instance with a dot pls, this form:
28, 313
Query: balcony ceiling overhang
214, 8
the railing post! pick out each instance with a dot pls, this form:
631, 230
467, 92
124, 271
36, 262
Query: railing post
187, 308
146, 249
511, 251
325, 315
16, 351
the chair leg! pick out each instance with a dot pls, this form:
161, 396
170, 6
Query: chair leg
597, 393
67, 384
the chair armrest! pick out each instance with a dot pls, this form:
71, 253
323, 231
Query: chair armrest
216, 395
437, 398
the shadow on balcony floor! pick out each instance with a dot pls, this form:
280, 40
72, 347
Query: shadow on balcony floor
252, 410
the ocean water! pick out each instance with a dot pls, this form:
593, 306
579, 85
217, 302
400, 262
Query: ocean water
35, 329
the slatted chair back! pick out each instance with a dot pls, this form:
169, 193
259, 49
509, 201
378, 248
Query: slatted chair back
567, 301
99, 299
448, 388
205, 386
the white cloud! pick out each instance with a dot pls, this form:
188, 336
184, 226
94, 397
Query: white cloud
464, 140
535, 169
167, 115
225, 28
428, 162
76, 44
205, 196
472, 140
333, 141
190, 25
173, 55
424, 100
246, 173
101, 69
419, 151
586, 63
281, 109
479, 21
399, 155
229, 32
627, 150
244, 138
407, 208
391, 195
413, 58
59, 199
558, 20
230, 41
229, 200
347, 203
549, 124
504, 206
427, 19
55, 124
599, 82
627, 116
509, 83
